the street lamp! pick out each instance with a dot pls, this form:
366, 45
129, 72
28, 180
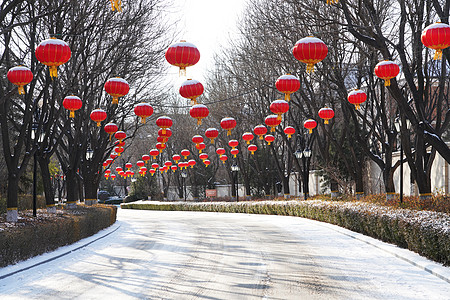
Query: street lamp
89, 153
184, 176
398, 127
298, 154
235, 170
307, 153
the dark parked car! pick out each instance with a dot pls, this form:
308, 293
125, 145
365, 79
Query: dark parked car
113, 200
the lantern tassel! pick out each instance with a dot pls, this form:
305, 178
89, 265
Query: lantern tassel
115, 100
199, 151
21, 90
357, 106
116, 5
310, 68
278, 117
199, 122
268, 143
287, 97
310, 131
164, 131
253, 152
387, 82
182, 72
248, 142
143, 120
99, 124
53, 72
272, 129
289, 136
110, 136
228, 132
72, 114
438, 54
261, 137
325, 122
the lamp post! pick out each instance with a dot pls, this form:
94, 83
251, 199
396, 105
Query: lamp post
235, 170
398, 127
304, 155
184, 175
37, 137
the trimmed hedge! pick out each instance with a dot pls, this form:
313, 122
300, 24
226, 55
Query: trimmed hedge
45, 234
424, 232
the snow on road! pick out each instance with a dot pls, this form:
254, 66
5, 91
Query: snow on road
195, 255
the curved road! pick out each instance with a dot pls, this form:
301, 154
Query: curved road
194, 255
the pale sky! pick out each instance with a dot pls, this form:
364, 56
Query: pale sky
207, 24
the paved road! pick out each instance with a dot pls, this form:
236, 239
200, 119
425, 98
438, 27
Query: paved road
192, 255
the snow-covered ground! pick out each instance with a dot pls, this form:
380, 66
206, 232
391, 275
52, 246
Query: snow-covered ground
188, 255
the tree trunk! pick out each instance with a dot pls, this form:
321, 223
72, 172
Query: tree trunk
334, 189
306, 185
91, 182
11, 200
286, 188
71, 188
47, 182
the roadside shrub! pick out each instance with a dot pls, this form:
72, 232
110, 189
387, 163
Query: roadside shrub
424, 232
33, 236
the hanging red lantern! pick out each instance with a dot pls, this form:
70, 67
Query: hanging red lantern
113, 155
176, 158
233, 143
117, 87
182, 55
174, 168
326, 114
211, 133
72, 103
20, 76
168, 163
223, 158
53, 53
113, 176
144, 169
161, 169
289, 131
128, 165
167, 133
160, 147
279, 107
140, 164
260, 130
110, 161
203, 156
119, 169
108, 171
155, 166
119, 143
199, 112
207, 162
220, 151
310, 124
272, 121
152, 171
106, 176
310, 50
252, 148
110, 129
120, 135
387, 70
197, 139
146, 158
164, 122
228, 124
247, 136
192, 163
269, 138
162, 139
105, 164
437, 37
182, 165
357, 97
143, 110
98, 115
287, 84
191, 89
200, 147
185, 153
118, 150
154, 153
234, 152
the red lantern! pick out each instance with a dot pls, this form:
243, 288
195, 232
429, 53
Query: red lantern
326, 114
310, 124
113, 176
191, 89
203, 156
167, 134
53, 53
105, 164
260, 130
182, 165
119, 143
228, 124
272, 121
168, 163
269, 139
387, 70
146, 158
436, 36
174, 168
234, 152
248, 136
176, 158
310, 50
108, 171
118, 150
197, 139
252, 148
212, 133
289, 131
161, 139
192, 163
110, 129
72, 103
207, 162
119, 169
140, 164
120, 135
110, 160
154, 153
182, 55
155, 166
279, 107
357, 97
128, 165
98, 115
220, 151
117, 87
160, 147
200, 147
233, 143
143, 110
163, 123
152, 171
287, 84
223, 158
113, 155
20, 76
185, 153
106, 176
199, 112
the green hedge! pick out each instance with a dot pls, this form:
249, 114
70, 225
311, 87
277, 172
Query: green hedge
424, 232
48, 233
